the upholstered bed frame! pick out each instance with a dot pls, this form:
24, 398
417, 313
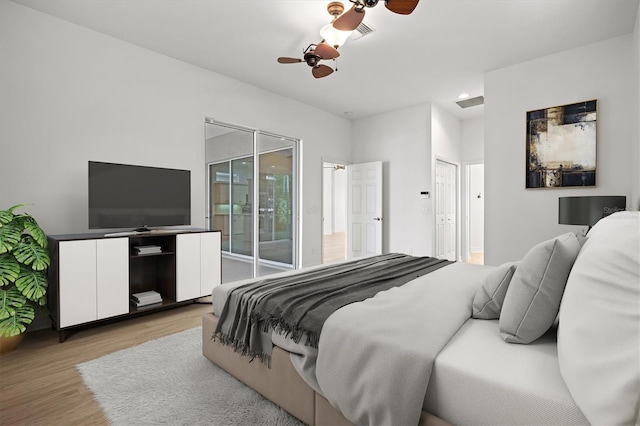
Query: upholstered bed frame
281, 383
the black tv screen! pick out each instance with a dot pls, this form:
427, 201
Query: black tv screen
128, 196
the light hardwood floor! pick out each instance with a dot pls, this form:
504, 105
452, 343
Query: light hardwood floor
39, 384
334, 247
476, 258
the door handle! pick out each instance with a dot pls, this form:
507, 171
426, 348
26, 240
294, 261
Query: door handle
377, 218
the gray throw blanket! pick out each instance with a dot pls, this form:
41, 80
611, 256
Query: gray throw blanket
298, 305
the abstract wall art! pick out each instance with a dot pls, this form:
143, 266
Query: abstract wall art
561, 146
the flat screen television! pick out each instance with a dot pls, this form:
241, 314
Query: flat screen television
129, 196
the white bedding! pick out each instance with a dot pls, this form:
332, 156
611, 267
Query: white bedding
375, 357
477, 370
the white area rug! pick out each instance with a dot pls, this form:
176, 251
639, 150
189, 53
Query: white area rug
169, 382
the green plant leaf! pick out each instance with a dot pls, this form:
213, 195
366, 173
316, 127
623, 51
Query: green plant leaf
10, 300
29, 252
42, 302
10, 235
34, 229
6, 216
32, 284
17, 323
9, 269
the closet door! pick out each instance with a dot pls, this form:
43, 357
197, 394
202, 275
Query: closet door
446, 210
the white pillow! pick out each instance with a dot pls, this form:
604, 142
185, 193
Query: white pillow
488, 299
533, 298
599, 331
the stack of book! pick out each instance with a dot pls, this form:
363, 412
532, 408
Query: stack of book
147, 249
145, 298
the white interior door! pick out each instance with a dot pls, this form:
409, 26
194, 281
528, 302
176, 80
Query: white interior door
446, 210
364, 209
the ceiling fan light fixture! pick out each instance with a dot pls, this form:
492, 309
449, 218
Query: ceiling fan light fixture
334, 37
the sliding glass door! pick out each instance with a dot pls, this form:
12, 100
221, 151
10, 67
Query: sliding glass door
255, 216
276, 199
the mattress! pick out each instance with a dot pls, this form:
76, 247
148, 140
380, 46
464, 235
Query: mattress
477, 370
477, 378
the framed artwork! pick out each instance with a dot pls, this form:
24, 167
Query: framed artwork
561, 146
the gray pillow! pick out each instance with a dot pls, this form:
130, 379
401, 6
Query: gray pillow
488, 300
533, 297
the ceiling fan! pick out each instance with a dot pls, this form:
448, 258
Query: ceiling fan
344, 23
350, 20
313, 54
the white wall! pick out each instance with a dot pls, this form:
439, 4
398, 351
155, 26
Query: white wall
446, 135
69, 95
402, 140
635, 198
517, 218
473, 140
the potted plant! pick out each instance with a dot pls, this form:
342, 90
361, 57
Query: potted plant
24, 260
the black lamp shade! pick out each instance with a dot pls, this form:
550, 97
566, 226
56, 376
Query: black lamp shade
588, 210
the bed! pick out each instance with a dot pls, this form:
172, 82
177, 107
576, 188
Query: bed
553, 338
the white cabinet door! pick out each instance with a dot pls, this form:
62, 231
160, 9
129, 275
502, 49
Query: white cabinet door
197, 264
209, 262
187, 266
112, 273
77, 278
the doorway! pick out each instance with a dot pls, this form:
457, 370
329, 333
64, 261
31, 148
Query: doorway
475, 214
334, 212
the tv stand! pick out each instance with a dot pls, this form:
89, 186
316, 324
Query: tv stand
142, 229
92, 276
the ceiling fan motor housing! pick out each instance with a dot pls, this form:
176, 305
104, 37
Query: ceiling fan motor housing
370, 3
311, 58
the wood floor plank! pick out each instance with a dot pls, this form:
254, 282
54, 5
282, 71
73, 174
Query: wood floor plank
39, 384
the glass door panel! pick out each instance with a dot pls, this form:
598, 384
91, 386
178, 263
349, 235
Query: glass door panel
276, 224
229, 155
241, 200
219, 201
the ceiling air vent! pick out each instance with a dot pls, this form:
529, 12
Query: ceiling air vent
467, 103
362, 30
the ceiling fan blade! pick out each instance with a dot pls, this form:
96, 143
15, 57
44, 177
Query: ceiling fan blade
326, 52
403, 7
350, 20
320, 71
285, 60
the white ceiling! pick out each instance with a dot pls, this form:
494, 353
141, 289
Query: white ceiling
442, 49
